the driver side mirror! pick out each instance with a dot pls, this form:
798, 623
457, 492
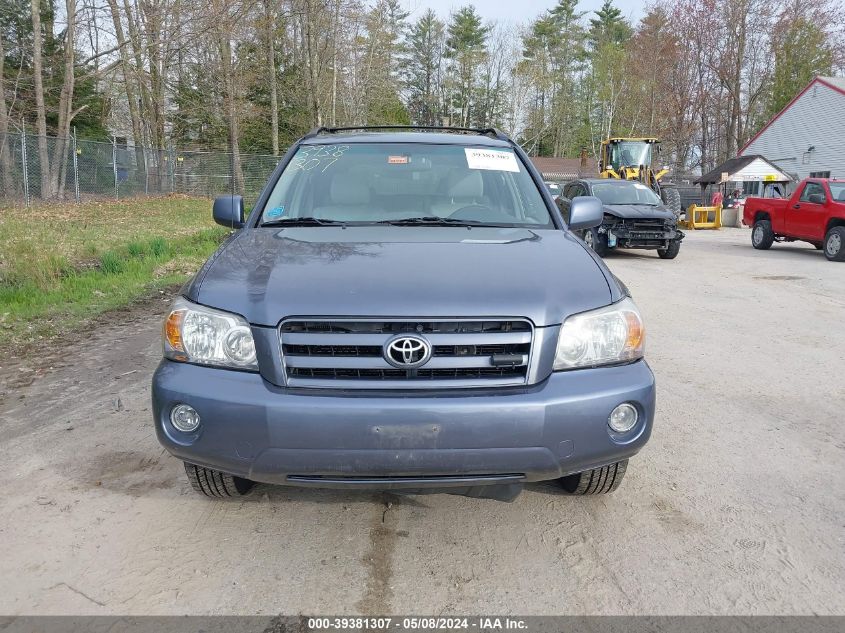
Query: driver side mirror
816, 198
228, 211
585, 212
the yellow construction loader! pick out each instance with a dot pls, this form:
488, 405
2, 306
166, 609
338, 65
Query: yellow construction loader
631, 159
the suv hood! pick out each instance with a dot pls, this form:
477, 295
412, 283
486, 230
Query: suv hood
267, 274
638, 211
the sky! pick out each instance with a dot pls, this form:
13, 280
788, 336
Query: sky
516, 11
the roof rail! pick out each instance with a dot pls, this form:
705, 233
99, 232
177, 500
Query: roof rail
314, 131
486, 131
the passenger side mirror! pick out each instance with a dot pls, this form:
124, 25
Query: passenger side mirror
585, 212
228, 211
816, 198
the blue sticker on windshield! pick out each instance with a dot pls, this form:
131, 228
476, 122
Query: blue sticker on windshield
275, 212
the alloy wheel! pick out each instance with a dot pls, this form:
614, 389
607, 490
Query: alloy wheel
834, 244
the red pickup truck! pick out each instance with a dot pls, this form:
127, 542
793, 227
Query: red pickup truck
815, 213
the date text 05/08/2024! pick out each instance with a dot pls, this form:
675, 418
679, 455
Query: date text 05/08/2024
432, 623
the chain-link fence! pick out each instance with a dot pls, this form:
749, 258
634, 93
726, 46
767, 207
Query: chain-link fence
48, 168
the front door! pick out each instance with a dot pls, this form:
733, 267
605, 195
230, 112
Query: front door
805, 218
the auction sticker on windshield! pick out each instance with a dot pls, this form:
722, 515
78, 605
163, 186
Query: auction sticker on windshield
491, 159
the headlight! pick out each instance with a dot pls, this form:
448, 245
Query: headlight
613, 334
196, 334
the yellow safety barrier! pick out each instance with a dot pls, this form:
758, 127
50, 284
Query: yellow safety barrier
699, 217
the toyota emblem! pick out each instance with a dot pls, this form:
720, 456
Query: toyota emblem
407, 351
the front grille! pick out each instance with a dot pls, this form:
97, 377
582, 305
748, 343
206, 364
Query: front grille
651, 226
350, 353
645, 225
643, 232
332, 350
375, 350
405, 327
399, 374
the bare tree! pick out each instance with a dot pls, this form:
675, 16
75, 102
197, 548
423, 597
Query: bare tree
270, 19
40, 108
58, 170
130, 78
5, 158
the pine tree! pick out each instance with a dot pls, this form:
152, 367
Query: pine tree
801, 51
385, 25
465, 49
569, 133
424, 73
609, 27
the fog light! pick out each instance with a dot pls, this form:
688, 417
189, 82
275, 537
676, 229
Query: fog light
623, 418
185, 418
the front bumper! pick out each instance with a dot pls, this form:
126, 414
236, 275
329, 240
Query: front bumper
626, 237
259, 431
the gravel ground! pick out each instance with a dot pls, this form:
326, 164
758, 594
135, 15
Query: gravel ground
736, 505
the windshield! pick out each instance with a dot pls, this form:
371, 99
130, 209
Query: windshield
625, 193
837, 191
406, 183
630, 154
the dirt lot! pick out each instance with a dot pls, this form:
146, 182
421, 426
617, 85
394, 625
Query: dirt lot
736, 506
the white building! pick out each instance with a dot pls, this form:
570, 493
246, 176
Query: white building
748, 174
807, 137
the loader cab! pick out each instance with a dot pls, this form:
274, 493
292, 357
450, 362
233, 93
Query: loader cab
625, 152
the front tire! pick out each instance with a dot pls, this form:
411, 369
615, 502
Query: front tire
834, 244
762, 236
671, 252
671, 198
213, 483
597, 481
596, 241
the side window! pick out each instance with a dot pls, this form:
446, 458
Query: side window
812, 189
750, 188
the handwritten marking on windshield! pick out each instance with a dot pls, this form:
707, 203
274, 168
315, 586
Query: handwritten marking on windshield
312, 157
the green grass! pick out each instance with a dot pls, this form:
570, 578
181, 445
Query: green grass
63, 265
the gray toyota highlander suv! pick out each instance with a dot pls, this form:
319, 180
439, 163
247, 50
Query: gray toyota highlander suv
404, 310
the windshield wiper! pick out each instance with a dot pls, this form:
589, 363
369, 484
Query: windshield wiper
306, 221
422, 220
432, 219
